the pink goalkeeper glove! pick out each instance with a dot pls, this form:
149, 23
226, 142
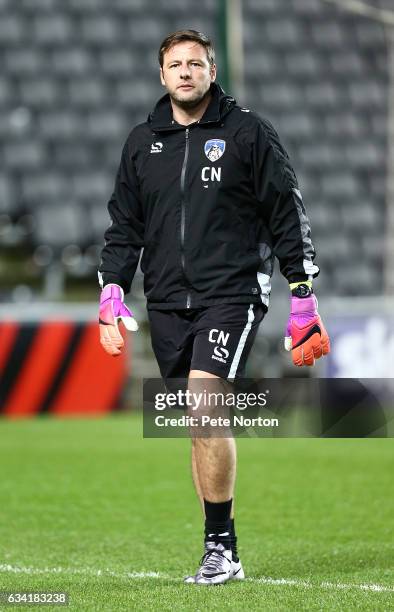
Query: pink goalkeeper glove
306, 336
113, 310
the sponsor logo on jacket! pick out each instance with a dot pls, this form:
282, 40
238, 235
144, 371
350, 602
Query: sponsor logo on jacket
156, 147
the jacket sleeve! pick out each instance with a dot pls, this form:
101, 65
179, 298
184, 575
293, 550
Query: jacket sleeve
124, 238
281, 206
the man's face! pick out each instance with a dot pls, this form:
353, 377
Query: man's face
187, 73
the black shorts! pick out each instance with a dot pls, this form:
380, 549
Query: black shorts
215, 339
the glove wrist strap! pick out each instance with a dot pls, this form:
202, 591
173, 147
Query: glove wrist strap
112, 291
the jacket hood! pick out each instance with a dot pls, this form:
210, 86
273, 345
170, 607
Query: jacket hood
161, 118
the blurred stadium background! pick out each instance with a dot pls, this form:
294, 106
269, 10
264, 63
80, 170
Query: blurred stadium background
78, 75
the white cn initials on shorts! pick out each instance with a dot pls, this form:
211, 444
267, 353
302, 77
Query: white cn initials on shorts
218, 337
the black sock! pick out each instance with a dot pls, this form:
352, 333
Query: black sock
218, 522
234, 542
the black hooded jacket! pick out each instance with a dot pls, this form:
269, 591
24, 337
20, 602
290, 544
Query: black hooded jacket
210, 204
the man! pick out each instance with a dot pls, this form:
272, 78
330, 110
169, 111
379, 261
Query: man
206, 189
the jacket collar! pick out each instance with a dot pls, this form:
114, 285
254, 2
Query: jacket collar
161, 118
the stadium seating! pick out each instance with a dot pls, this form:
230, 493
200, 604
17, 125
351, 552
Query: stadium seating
78, 74
323, 84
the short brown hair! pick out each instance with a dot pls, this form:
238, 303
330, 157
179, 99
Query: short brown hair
183, 35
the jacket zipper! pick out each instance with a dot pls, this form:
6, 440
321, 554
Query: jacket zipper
183, 212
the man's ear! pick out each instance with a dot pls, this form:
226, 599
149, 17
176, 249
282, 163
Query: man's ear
213, 73
162, 77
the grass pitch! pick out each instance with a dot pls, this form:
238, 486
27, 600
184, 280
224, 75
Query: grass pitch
91, 508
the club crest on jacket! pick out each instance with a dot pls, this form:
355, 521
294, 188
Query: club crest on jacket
214, 149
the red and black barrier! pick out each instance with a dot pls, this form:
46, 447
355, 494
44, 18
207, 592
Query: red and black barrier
57, 367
